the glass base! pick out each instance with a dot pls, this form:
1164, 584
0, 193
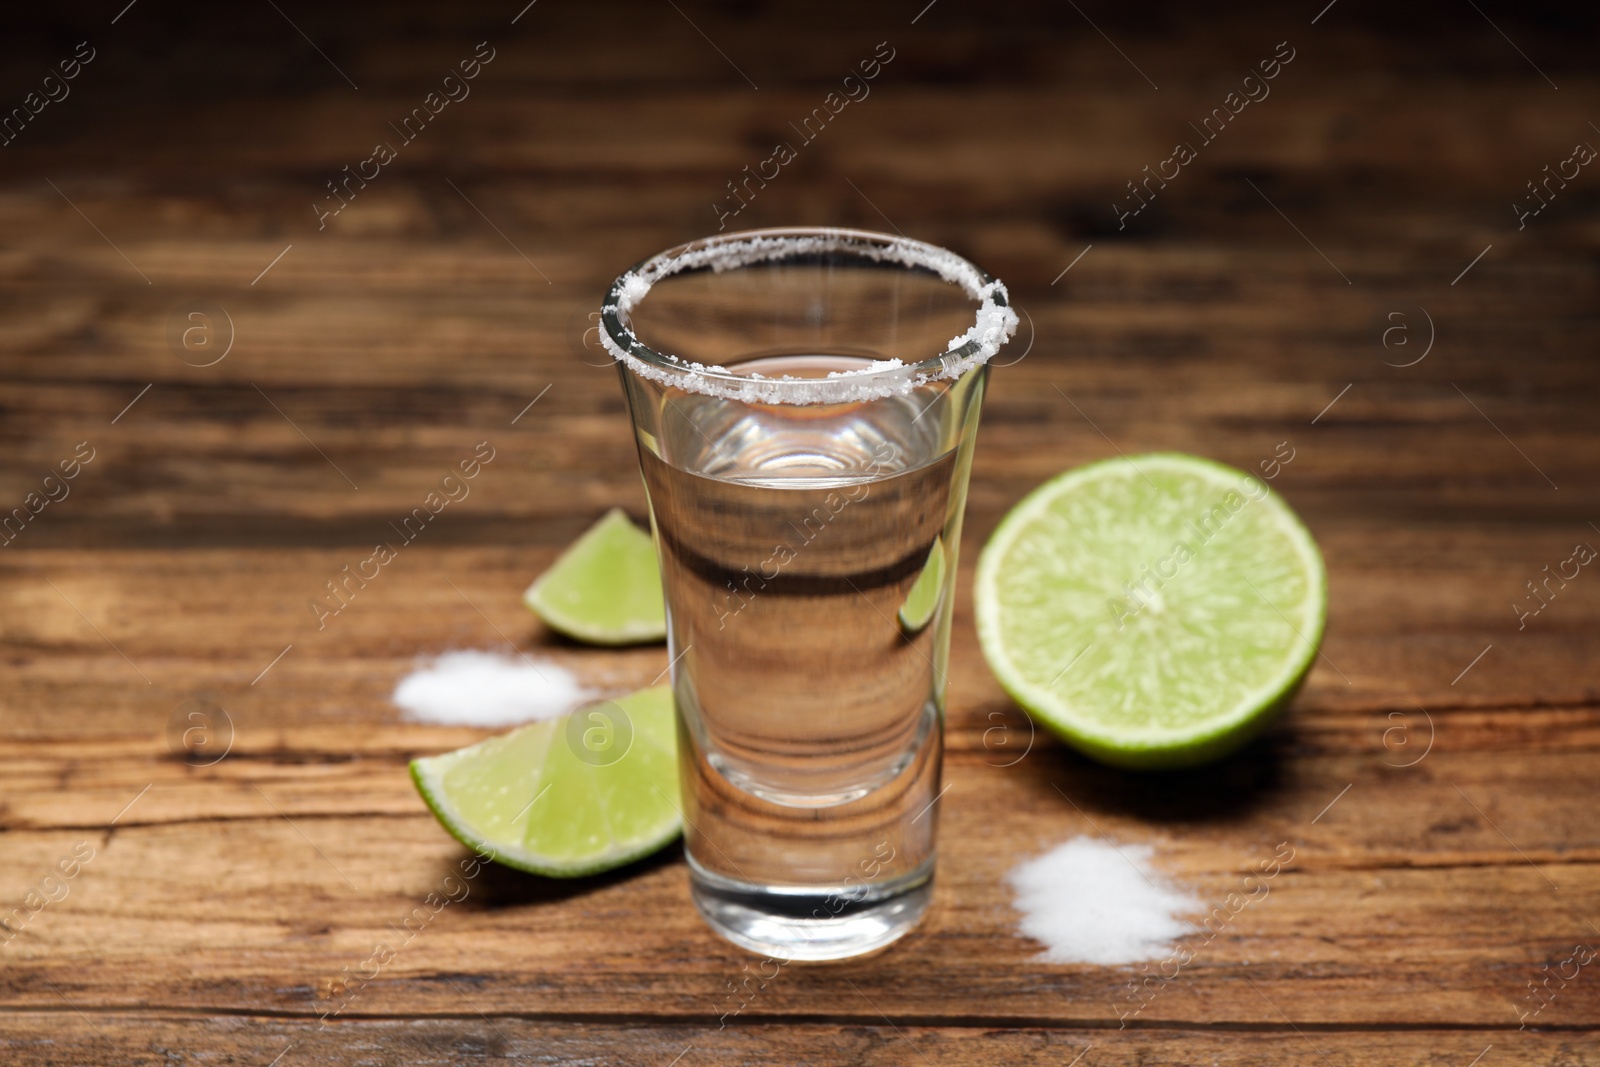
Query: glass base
782, 922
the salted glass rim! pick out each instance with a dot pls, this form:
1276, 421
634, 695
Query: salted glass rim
994, 320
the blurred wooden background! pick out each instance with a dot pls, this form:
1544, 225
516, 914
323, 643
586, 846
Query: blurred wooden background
1437, 778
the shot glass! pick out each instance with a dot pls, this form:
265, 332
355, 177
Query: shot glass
805, 404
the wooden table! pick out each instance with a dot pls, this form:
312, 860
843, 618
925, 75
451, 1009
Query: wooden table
1436, 779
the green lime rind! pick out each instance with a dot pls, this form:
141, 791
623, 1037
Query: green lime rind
535, 799
1159, 668
923, 599
605, 589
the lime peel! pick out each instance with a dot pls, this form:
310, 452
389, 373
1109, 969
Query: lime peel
544, 799
605, 589
1153, 611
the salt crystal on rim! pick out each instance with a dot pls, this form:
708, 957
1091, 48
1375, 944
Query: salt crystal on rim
994, 320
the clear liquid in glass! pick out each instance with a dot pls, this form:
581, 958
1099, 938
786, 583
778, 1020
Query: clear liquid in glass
809, 704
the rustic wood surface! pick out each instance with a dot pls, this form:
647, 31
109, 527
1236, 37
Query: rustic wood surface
1437, 778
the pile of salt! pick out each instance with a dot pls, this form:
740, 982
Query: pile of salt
1088, 901
470, 688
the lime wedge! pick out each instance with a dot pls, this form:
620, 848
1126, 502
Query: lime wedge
605, 588
923, 600
567, 797
1153, 611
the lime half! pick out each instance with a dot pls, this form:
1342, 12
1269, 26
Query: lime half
566, 797
1154, 611
923, 600
605, 588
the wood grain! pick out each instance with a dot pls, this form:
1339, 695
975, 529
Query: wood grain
1435, 778
467, 1037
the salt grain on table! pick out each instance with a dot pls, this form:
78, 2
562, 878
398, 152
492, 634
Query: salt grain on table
471, 688
1088, 901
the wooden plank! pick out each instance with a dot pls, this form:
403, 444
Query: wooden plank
268, 877
1412, 609
35, 1039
